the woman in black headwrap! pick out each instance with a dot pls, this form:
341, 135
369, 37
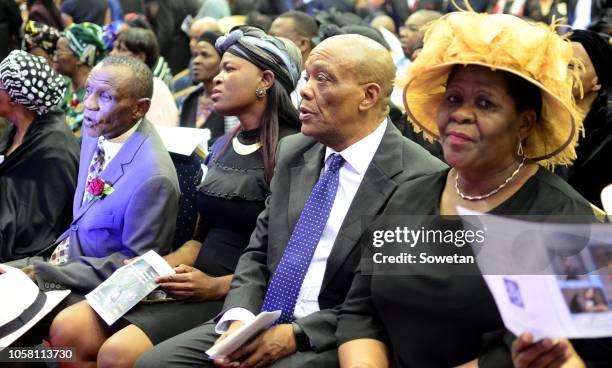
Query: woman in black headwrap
590, 172
39, 157
258, 74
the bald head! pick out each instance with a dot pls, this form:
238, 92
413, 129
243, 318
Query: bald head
368, 60
200, 26
348, 82
384, 21
423, 16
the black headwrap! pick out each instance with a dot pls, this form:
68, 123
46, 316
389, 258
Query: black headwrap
600, 53
265, 52
210, 36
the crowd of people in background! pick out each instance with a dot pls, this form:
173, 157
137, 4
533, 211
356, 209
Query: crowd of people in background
367, 97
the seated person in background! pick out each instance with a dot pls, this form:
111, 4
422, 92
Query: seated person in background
589, 174
120, 151
196, 110
499, 131
41, 40
161, 69
81, 11
410, 33
141, 43
39, 157
229, 199
300, 28
303, 253
45, 12
79, 49
183, 82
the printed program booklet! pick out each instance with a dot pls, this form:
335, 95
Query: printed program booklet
550, 279
127, 286
242, 335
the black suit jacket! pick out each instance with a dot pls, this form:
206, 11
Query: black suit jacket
298, 165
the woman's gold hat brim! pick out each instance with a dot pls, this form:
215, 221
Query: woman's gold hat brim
425, 91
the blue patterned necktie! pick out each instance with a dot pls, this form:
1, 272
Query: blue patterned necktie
287, 280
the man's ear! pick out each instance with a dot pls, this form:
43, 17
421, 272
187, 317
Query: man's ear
267, 79
596, 85
141, 108
527, 121
371, 96
304, 45
141, 55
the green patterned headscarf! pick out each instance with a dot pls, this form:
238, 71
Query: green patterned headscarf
87, 42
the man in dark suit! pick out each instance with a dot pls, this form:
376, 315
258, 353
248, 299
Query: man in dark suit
126, 201
345, 165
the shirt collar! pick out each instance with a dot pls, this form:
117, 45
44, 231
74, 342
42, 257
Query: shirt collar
359, 155
112, 146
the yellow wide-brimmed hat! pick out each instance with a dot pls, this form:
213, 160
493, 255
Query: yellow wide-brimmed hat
533, 51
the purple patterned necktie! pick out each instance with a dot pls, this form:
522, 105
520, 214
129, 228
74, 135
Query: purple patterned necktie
288, 277
97, 162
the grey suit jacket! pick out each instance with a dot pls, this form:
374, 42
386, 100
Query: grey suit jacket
138, 216
298, 165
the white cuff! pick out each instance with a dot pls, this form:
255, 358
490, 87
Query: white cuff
234, 314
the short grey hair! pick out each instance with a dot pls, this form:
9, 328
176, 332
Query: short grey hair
142, 86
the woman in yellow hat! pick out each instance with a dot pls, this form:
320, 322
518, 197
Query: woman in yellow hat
495, 91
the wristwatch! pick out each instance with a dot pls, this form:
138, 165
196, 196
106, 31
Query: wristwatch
301, 339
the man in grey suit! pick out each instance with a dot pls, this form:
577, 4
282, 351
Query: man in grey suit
348, 143
126, 201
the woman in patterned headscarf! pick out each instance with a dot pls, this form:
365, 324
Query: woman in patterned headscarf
41, 40
78, 51
38, 157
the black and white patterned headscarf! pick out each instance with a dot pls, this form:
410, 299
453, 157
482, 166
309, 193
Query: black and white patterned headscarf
31, 82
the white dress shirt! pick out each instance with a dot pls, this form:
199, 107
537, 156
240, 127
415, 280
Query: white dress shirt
357, 159
296, 98
583, 14
112, 147
163, 110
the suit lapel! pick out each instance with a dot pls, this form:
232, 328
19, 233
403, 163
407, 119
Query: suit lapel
303, 178
115, 169
374, 191
87, 151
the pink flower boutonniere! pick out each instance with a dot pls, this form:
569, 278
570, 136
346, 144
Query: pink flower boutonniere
98, 188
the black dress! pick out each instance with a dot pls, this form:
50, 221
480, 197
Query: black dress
437, 319
229, 200
37, 184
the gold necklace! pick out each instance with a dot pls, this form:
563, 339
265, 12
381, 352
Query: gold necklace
478, 198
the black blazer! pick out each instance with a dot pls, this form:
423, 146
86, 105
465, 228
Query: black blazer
37, 184
187, 116
298, 165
